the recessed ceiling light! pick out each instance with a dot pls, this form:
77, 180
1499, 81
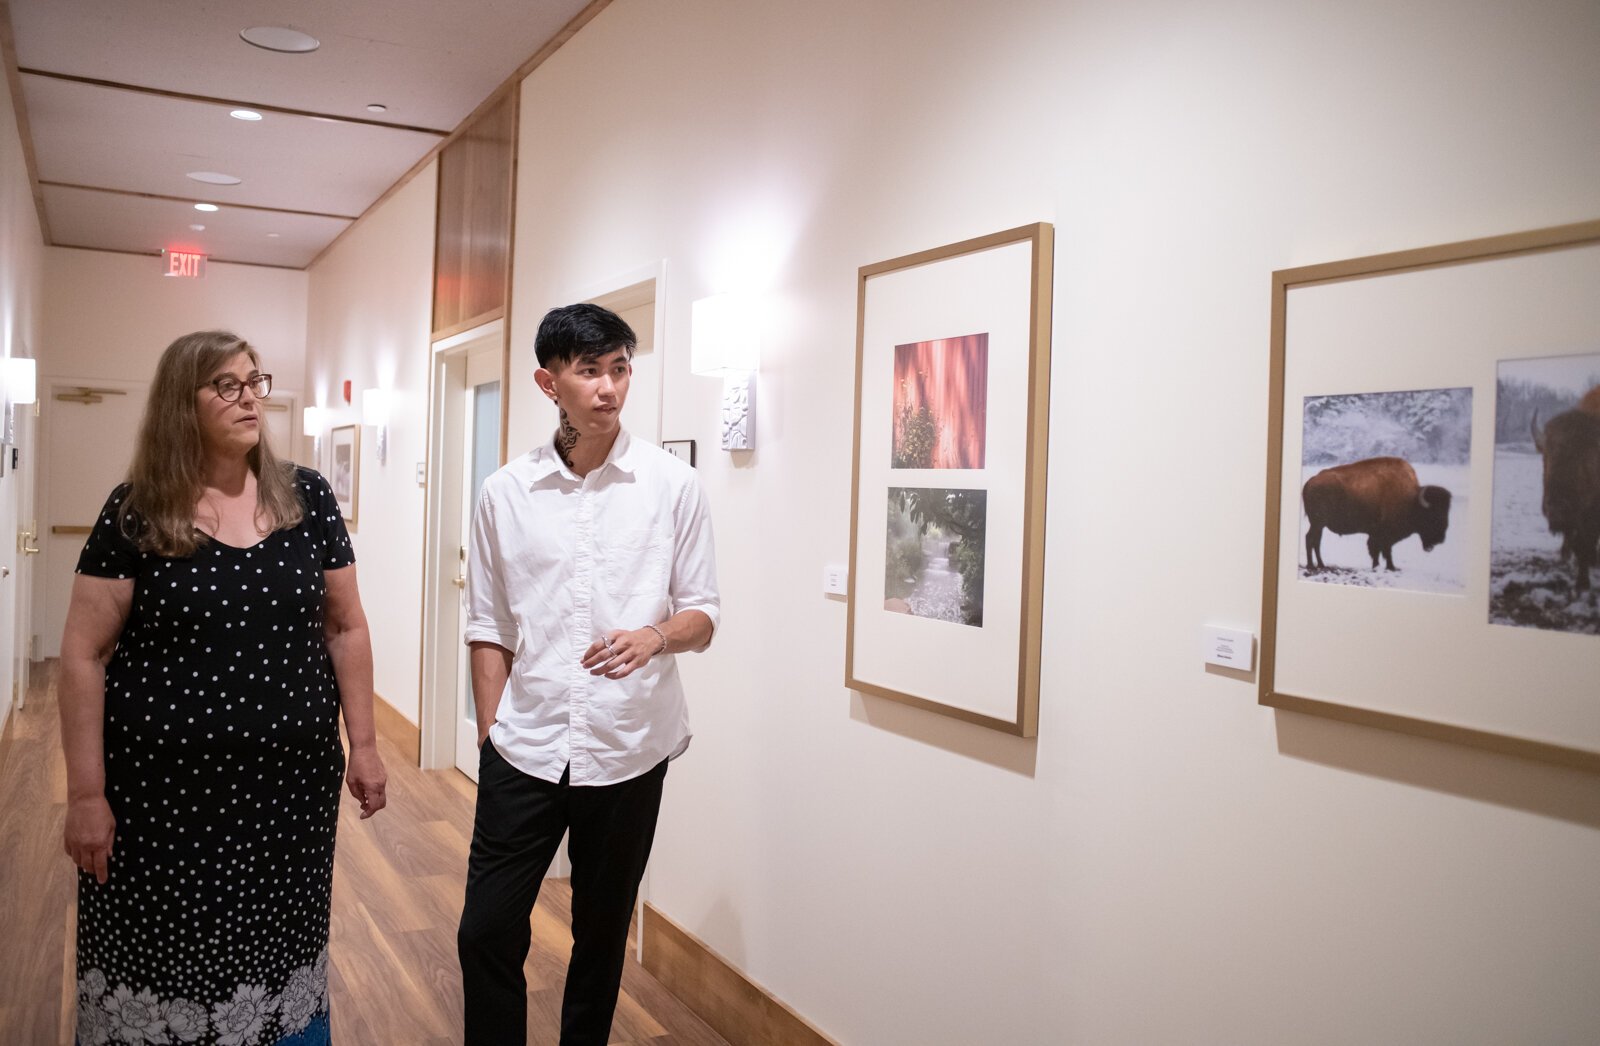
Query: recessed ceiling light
198, 228
273, 235
279, 38
212, 178
245, 114
377, 107
205, 207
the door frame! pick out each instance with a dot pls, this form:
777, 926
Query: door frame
437, 676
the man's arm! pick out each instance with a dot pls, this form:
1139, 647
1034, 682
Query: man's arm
622, 652
491, 626
491, 667
693, 591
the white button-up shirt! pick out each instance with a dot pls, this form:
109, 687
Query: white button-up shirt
556, 562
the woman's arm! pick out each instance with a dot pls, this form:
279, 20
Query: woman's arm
95, 616
350, 648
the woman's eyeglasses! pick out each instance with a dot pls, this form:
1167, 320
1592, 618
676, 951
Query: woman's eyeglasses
229, 388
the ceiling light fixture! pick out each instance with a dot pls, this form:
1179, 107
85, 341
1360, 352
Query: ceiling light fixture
245, 114
198, 228
212, 178
273, 235
279, 38
377, 107
205, 207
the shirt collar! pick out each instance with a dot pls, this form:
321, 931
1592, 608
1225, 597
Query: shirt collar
547, 460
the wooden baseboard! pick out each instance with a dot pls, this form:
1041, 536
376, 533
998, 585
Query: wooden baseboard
6, 732
737, 1008
397, 729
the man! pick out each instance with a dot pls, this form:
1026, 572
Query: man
592, 566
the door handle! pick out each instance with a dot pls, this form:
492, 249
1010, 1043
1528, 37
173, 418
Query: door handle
26, 539
459, 581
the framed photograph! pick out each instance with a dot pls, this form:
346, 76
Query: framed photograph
947, 498
344, 468
1433, 493
680, 448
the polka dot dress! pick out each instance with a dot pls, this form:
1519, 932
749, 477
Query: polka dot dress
223, 769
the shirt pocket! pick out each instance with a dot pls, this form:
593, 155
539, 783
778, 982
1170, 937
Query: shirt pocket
636, 562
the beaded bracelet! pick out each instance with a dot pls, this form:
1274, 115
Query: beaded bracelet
660, 633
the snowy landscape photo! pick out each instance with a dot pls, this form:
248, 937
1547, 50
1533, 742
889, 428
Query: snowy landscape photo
1546, 501
934, 553
1385, 489
941, 403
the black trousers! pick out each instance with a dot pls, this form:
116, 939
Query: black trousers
519, 823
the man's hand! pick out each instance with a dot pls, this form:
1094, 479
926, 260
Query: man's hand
620, 653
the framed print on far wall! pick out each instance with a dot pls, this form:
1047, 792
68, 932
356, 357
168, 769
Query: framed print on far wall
344, 469
1427, 385
947, 497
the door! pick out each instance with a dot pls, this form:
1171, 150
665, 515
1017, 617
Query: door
89, 432
480, 438
464, 448
18, 470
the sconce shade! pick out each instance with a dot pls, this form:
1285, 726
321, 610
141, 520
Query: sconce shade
725, 336
22, 379
312, 421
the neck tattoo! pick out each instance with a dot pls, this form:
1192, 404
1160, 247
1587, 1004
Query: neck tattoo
566, 438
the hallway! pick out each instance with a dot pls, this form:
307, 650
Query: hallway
397, 888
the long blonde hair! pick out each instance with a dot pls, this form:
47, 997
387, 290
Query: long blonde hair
167, 476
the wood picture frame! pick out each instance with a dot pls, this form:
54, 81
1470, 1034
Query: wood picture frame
1442, 661
947, 497
344, 469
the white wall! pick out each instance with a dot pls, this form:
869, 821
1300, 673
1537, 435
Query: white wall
110, 316
1168, 862
369, 323
21, 265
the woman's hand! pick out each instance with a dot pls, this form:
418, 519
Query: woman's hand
90, 833
367, 779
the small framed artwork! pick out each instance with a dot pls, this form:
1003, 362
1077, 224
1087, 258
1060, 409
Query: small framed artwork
948, 497
1433, 493
680, 448
344, 468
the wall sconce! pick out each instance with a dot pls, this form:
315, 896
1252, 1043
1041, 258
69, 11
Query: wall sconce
312, 421
22, 379
375, 412
725, 342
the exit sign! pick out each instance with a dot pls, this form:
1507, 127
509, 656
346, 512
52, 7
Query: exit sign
185, 263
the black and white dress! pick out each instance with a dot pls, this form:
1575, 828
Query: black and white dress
223, 770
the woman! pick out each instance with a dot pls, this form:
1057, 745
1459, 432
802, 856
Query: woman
214, 635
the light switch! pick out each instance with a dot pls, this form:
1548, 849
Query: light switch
422, 473
835, 579
1228, 647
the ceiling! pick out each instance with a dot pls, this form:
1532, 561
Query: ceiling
123, 99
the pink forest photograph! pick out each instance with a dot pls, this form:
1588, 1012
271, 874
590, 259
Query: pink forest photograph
941, 403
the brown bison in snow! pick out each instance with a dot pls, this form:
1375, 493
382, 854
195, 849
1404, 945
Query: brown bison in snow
1378, 497
1570, 443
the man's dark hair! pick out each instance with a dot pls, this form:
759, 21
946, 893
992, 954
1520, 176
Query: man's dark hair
581, 332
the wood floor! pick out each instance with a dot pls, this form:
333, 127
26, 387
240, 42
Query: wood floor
397, 887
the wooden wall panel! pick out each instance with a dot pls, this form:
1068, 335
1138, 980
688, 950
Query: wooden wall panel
472, 249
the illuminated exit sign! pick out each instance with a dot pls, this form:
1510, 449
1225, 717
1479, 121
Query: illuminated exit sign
185, 263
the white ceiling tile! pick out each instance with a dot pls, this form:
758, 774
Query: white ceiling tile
107, 221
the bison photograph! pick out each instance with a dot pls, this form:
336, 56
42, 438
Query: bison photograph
1544, 547
1379, 470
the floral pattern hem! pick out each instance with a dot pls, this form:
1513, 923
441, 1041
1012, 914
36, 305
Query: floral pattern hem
123, 1015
